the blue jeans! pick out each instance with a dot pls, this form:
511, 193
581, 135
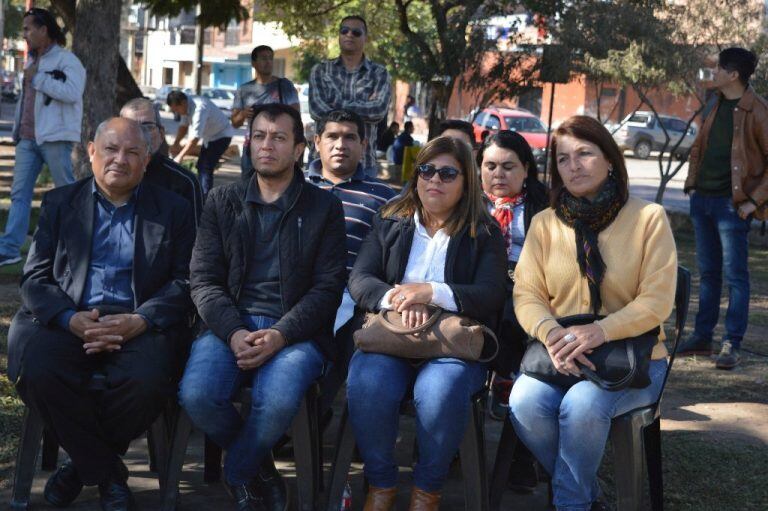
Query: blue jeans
566, 429
721, 243
29, 162
442, 388
208, 160
212, 379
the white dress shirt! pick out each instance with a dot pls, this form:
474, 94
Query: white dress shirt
426, 264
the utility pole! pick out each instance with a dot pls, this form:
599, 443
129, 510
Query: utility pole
198, 52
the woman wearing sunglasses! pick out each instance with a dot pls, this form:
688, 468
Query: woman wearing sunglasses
595, 249
511, 185
435, 245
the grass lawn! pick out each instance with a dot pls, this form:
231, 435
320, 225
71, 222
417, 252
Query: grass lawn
703, 470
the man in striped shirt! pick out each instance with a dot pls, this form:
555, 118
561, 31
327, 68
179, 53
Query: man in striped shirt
341, 142
352, 82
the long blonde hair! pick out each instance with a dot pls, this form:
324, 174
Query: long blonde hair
470, 211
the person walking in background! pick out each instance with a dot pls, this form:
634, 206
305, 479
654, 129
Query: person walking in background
265, 88
352, 82
728, 185
47, 122
207, 124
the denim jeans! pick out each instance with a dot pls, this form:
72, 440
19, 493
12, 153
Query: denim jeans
721, 243
442, 388
208, 160
566, 429
29, 162
212, 379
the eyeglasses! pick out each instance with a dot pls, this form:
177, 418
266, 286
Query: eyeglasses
446, 174
150, 125
344, 30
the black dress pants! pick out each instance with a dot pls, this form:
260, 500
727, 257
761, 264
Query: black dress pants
95, 426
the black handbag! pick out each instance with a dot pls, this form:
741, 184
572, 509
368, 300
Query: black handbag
618, 364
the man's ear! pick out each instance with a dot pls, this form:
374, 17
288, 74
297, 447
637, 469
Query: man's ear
91, 150
298, 151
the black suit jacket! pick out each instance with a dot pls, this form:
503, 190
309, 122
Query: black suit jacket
58, 261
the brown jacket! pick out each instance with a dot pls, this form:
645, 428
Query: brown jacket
749, 152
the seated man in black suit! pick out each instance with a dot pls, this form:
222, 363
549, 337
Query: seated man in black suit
105, 291
161, 170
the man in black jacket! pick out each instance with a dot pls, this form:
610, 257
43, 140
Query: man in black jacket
267, 274
105, 293
161, 170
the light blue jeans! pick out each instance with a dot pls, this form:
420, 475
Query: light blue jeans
29, 162
566, 429
212, 379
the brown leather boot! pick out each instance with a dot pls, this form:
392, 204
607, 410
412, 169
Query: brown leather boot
424, 501
380, 499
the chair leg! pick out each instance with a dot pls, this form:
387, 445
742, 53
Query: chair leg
175, 465
652, 435
627, 443
503, 463
157, 444
212, 466
50, 452
345, 449
472, 455
305, 432
26, 459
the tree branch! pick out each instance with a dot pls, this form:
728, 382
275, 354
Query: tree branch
415, 38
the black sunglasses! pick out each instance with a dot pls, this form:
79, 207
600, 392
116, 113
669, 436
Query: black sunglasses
446, 174
344, 30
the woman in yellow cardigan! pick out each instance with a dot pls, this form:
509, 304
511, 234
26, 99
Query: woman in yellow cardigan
594, 248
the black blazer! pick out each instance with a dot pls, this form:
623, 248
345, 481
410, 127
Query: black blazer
59, 258
475, 268
312, 262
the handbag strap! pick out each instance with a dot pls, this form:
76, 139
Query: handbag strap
395, 329
492, 335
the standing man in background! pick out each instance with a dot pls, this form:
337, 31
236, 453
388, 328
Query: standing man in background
728, 184
352, 82
265, 89
48, 118
208, 124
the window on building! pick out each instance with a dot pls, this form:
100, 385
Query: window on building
187, 35
208, 36
232, 38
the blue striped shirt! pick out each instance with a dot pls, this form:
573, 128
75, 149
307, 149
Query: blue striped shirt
361, 197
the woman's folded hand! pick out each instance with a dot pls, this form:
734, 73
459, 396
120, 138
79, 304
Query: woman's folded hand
415, 315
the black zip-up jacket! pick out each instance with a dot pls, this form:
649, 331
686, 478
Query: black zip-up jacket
312, 257
475, 268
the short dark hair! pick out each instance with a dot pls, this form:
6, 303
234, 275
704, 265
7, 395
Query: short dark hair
356, 17
273, 110
456, 124
591, 130
740, 60
44, 18
342, 116
511, 141
175, 97
408, 124
259, 49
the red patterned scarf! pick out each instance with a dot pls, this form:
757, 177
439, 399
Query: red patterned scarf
503, 212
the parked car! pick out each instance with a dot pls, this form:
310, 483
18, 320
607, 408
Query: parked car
642, 133
148, 91
534, 131
9, 85
222, 98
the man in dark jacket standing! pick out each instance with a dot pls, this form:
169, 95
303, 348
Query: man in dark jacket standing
105, 296
728, 184
268, 271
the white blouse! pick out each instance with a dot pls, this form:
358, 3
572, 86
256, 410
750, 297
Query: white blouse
426, 263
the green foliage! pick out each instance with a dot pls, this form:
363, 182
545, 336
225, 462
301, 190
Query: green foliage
213, 13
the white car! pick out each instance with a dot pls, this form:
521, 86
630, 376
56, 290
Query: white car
222, 98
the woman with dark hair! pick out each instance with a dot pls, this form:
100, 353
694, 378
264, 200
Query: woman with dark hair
434, 245
595, 250
510, 181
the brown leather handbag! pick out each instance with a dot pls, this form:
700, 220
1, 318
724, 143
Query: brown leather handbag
444, 334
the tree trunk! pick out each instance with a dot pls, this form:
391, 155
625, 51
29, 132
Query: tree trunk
439, 96
96, 44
